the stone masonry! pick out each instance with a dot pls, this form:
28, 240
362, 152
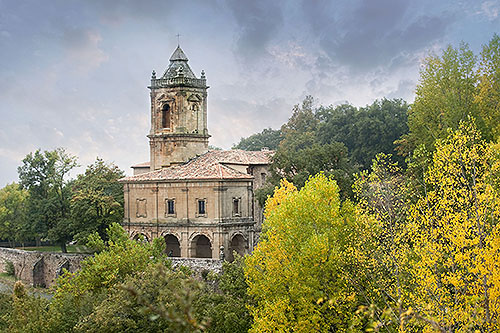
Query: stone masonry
39, 269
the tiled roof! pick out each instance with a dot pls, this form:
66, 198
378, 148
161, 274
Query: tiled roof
211, 165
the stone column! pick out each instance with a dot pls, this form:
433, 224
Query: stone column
184, 241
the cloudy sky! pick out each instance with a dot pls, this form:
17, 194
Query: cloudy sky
74, 74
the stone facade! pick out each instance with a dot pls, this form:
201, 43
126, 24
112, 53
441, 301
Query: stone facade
219, 223
200, 201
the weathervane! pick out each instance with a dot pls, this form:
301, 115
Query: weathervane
178, 40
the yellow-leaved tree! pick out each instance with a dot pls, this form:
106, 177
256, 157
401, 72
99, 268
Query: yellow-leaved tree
311, 270
457, 237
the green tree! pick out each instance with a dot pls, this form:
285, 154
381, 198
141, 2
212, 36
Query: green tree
309, 272
97, 199
118, 258
444, 96
224, 300
77, 295
488, 95
44, 175
456, 236
13, 223
27, 313
301, 155
268, 138
157, 299
366, 131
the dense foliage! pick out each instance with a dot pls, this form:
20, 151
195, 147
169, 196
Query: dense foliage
130, 286
44, 176
310, 272
97, 199
46, 205
457, 237
452, 88
268, 138
338, 141
13, 223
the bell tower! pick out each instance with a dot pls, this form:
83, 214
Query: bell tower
178, 114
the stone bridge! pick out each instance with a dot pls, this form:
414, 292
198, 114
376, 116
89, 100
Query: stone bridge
40, 269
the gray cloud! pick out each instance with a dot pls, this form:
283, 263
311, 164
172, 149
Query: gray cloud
373, 32
258, 21
232, 119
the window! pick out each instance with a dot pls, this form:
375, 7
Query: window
170, 207
165, 116
263, 177
236, 206
202, 207
141, 208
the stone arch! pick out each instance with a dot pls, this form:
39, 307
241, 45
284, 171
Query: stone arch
39, 273
200, 247
173, 246
238, 244
166, 232
138, 235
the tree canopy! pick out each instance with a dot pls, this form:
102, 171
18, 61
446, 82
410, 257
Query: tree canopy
454, 87
268, 138
44, 175
13, 222
457, 237
308, 271
97, 199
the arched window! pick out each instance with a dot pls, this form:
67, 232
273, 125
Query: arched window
165, 116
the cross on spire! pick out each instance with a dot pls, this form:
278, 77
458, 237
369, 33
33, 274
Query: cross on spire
178, 40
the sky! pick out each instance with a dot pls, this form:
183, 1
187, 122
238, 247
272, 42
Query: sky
74, 73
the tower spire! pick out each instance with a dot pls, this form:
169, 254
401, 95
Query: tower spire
178, 39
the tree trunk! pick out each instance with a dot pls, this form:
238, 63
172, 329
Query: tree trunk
63, 247
38, 241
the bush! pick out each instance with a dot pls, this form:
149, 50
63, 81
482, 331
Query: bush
9, 268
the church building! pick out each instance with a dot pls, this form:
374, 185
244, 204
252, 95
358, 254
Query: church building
200, 201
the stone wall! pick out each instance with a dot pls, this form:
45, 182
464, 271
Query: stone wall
198, 265
39, 269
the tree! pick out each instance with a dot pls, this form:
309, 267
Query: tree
27, 313
488, 95
301, 155
13, 224
456, 236
97, 200
224, 299
309, 271
157, 299
385, 195
268, 138
453, 88
44, 174
366, 131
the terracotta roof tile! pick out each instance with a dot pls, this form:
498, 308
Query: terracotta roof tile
211, 165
